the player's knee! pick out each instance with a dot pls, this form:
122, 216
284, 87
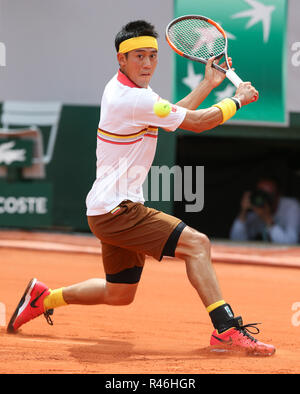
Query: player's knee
119, 297
199, 244
192, 244
125, 299
203, 240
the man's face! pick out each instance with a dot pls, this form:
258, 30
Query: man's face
139, 65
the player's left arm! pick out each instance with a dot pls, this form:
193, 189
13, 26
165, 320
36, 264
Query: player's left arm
212, 79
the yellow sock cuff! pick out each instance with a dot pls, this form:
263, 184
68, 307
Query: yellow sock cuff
215, 305
228, 108
54, 299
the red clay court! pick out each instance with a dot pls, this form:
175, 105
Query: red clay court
166, 330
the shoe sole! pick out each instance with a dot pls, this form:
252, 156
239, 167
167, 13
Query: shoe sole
27, 293
240, 350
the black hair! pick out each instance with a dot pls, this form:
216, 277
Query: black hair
271, 178
134, 29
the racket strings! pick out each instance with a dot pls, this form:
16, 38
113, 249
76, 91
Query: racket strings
196, 37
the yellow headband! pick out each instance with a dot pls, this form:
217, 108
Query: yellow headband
138, 42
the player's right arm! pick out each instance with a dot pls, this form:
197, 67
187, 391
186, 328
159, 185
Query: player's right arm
208, 118
211, 80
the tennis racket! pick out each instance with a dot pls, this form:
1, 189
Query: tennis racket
199, 38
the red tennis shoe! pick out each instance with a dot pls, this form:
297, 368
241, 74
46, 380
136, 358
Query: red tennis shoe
30, 306
238, 339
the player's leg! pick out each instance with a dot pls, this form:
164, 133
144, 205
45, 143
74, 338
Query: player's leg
38, 299
123, 271
194, 248
230, 333
99, 291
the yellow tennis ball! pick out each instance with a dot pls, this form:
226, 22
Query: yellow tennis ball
162, 108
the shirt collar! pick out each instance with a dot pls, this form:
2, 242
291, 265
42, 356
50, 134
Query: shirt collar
124, 80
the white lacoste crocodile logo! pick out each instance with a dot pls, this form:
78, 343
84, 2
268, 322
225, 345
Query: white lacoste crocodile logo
8, 155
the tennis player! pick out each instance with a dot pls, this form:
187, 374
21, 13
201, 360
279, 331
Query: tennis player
128, 230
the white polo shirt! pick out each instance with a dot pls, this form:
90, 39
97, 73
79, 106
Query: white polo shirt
126, 143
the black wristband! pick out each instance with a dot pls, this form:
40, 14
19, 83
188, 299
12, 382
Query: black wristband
237, 102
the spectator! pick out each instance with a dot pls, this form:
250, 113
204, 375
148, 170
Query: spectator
267, 215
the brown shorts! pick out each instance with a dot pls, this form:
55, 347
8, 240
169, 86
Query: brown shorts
130, 232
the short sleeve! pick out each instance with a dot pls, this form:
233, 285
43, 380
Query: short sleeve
144, 115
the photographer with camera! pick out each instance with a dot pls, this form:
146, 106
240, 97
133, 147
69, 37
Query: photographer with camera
266, 215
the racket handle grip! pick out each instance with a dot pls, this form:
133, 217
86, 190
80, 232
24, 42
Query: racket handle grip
233, 77
236, 80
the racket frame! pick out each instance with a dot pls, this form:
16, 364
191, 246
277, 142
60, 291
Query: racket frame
230, 74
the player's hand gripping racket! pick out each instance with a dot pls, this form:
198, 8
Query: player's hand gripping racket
199, 38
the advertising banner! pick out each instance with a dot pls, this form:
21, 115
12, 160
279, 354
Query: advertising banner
256, 31
25, 204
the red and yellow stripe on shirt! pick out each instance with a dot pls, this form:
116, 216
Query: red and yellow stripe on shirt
126, 139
